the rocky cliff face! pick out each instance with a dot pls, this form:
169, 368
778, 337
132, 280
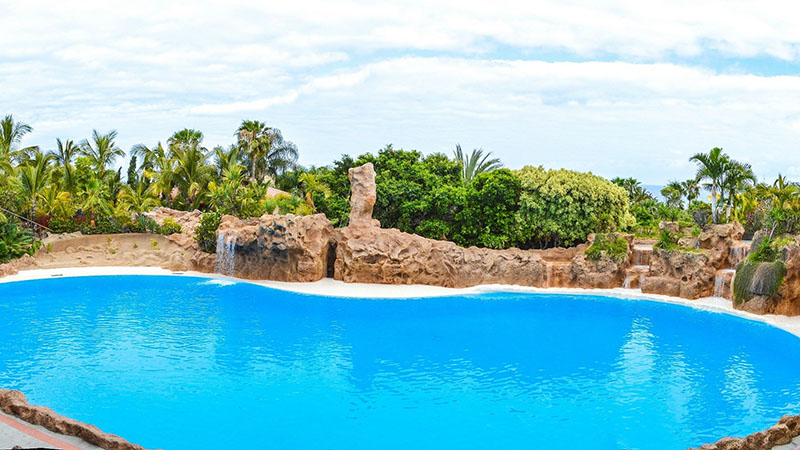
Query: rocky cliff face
367, 254
688, 274
274, 247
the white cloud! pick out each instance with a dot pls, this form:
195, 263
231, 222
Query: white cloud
352, 76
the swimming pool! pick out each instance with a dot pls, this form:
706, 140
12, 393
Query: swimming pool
185, 363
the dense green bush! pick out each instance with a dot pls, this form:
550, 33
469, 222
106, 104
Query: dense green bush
488, 215
169, 226
206, 231
561, 207
102, 225
609, 244
144, 224
63, 225
16, 241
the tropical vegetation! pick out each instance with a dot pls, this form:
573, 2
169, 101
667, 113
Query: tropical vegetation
464, 197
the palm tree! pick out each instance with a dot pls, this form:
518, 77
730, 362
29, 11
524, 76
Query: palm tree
474, 164
691, 189
226, 159
738, 178
712, 166
94, 197
11, 134
184, 140
103, 152
147, 155
33, 178
265, 151
192, 173
64, 154
673, 193
311, 186
138, 200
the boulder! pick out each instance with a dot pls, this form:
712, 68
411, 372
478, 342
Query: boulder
782, 433
276, 247
389, 256
362, 196
15, 265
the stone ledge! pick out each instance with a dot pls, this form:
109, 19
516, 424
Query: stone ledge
781, 433
14, 403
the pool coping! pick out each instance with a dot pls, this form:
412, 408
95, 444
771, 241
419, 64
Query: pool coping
334, 288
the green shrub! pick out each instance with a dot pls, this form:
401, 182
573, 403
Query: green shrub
206, 231
102, 225
610, 244
170, 226
667, 240
765, 252
561, 207
144, 224
63, 225
16, 241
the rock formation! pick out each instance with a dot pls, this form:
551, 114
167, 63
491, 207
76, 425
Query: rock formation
787, 428
786, 300
362, 195
188, 220
604, 273
15, 403
366, 254
689, 274
276, 247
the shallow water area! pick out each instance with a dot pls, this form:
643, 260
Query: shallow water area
182, 362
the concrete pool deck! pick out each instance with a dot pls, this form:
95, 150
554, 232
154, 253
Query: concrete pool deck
330, 287
17, 433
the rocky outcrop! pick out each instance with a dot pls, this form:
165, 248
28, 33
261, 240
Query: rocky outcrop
603, 273
691, 274
366, 254
717, 240
15, 403
14, 266
679, 274
758, 279
188, 220
362, 195
787, 428
276, 247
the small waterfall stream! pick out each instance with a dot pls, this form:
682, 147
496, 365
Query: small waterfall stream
226, 251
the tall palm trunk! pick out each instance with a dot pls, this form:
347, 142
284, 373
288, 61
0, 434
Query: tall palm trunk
714, 203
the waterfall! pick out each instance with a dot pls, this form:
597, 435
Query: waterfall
226, 251
548, 270
627, 283
723, 282
737, 255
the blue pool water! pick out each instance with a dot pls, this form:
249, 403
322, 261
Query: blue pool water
187, 363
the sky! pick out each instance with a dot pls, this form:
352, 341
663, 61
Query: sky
615, 87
